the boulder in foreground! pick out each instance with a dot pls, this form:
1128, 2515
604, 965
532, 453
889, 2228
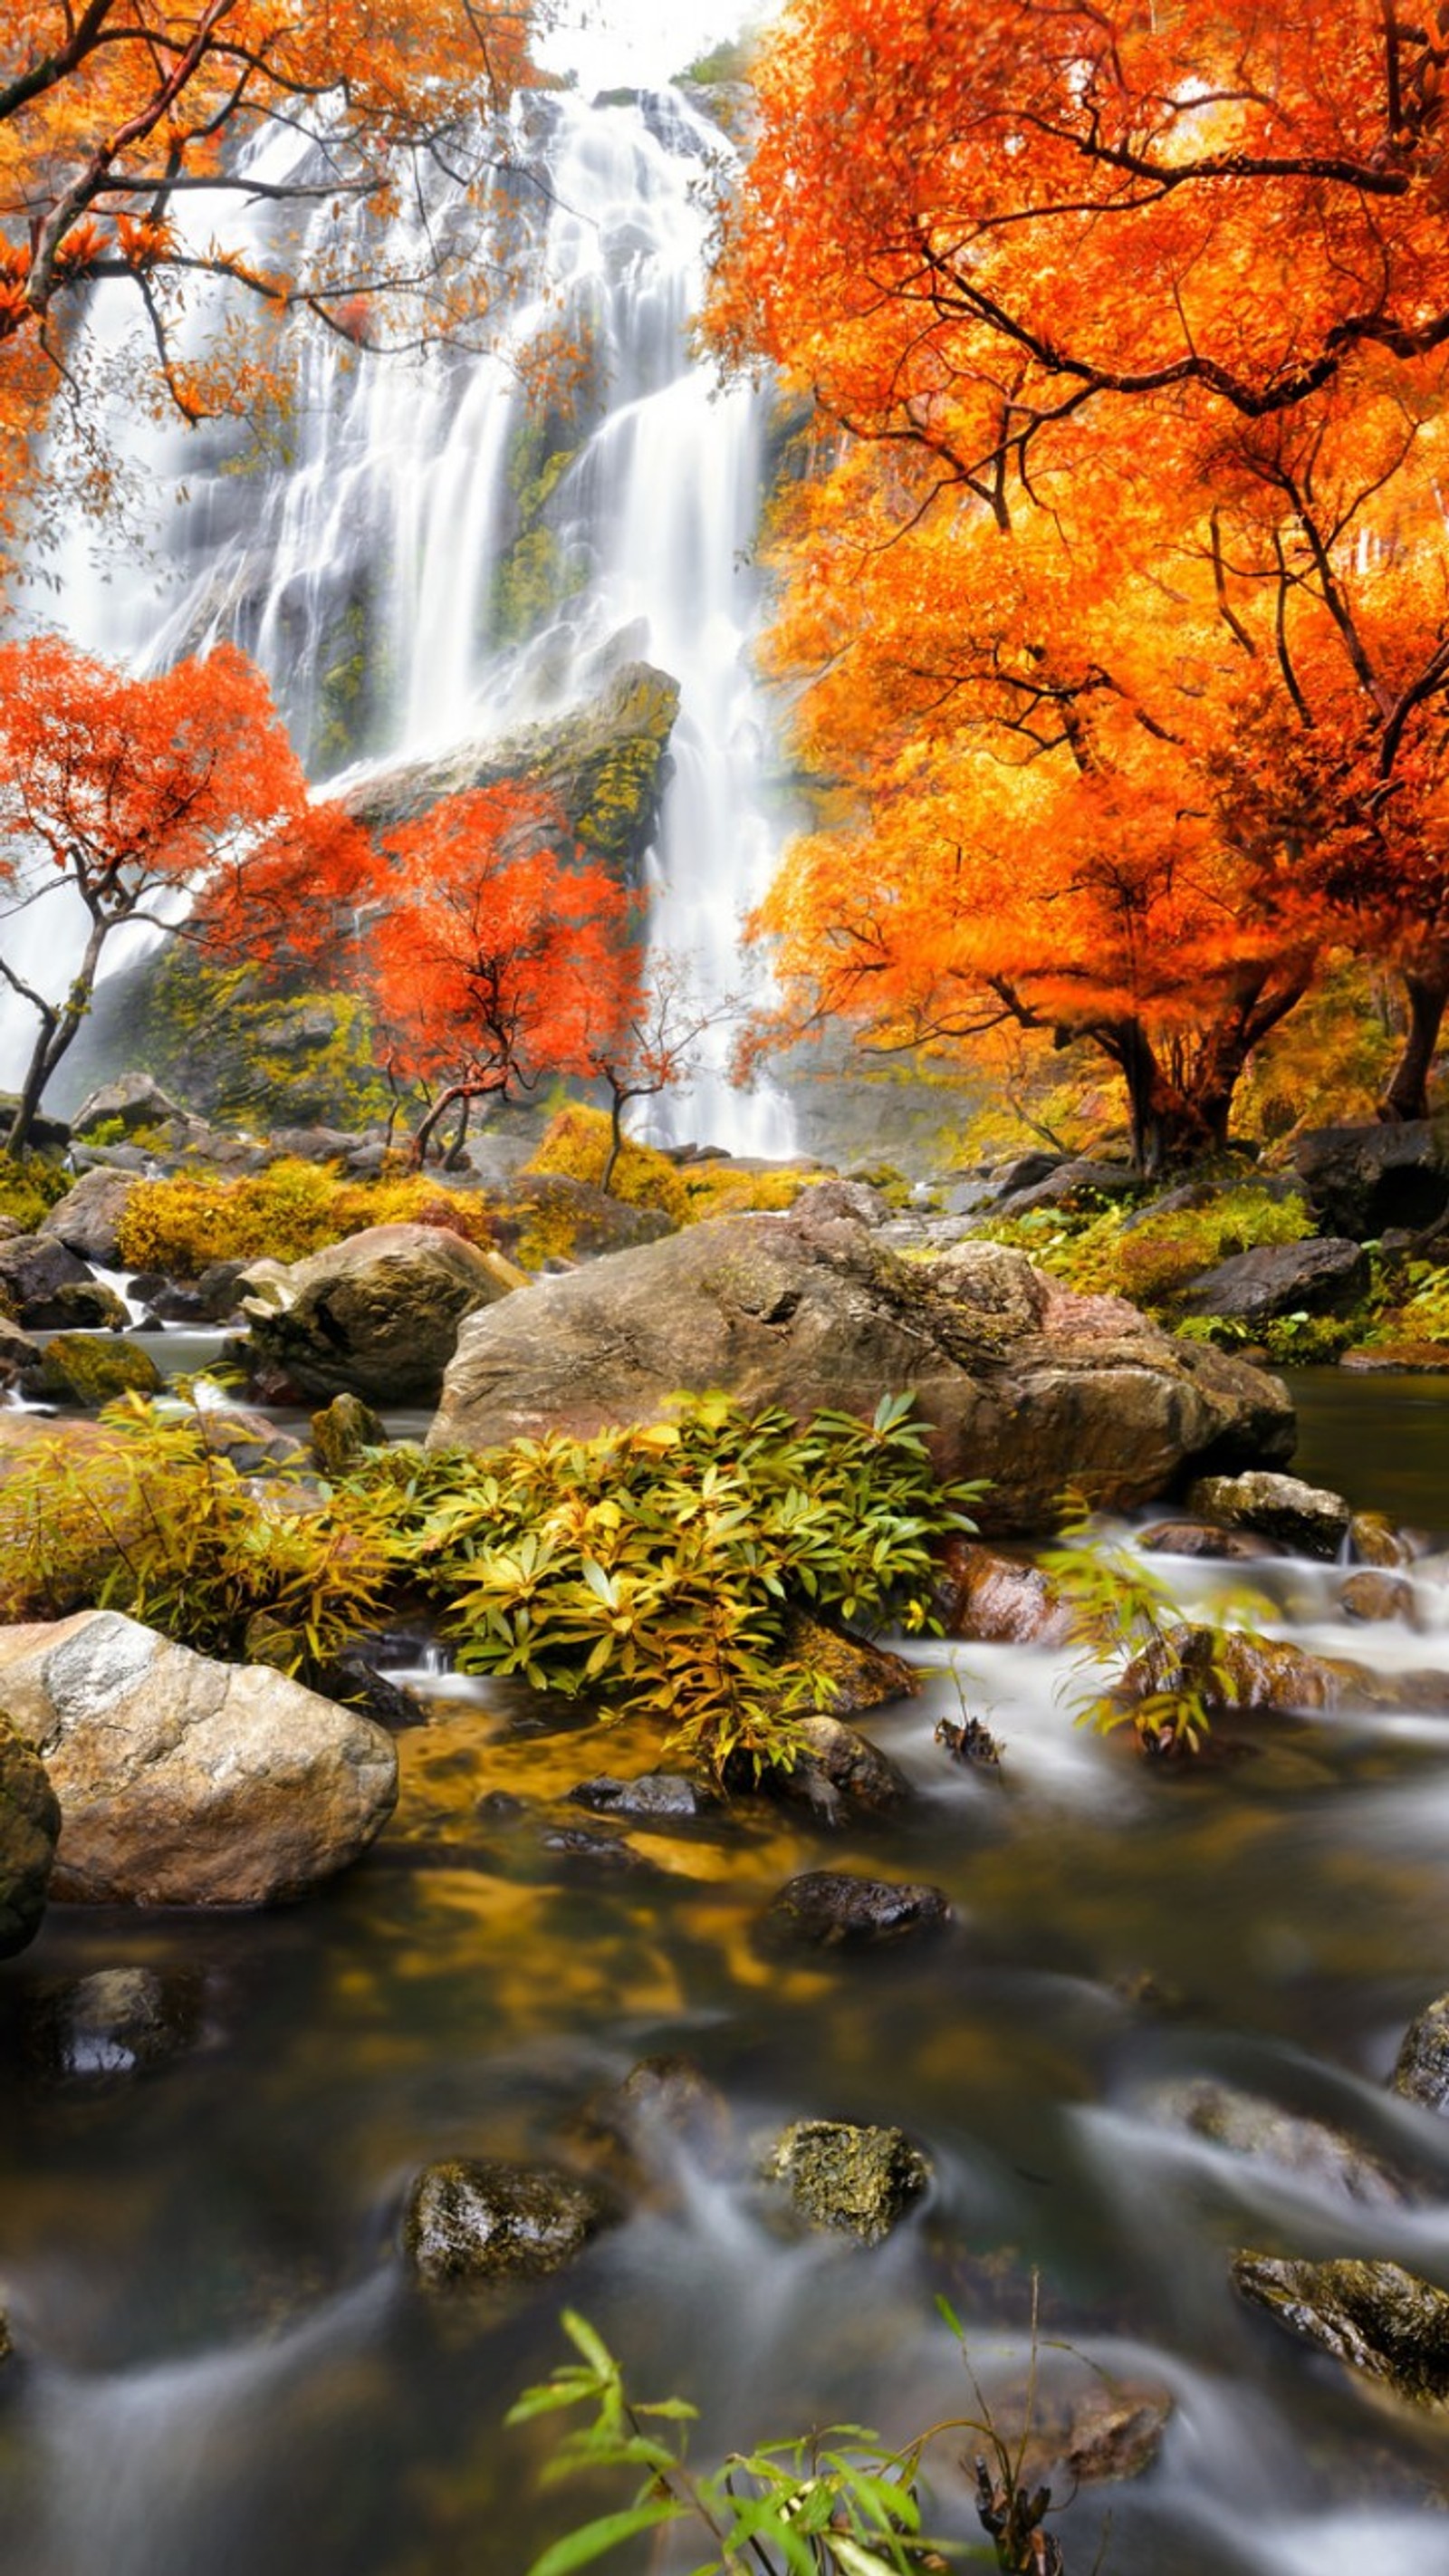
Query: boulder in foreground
187, 1782
376, 1315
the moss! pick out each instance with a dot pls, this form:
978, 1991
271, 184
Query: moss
1150, 1258
576, 1143
239, 1052
78, 1368
30, 1189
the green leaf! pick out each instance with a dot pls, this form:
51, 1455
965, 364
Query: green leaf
579, 2548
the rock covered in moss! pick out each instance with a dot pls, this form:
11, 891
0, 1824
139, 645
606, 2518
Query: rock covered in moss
829, 1909
342, 1431
376, 1315
861, 2181
1421, 2069
1382, 2321
1307, 1518
29, 1832
80, 1368
473, 2219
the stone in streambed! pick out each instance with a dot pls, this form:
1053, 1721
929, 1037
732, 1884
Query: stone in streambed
1384, 2322
475, 2219
187, 1782
80, 1368
661, 1798
1315, 2153
996, 1600
827, 1909
29, 1832
1306, 1518
1421, 2070
376, 1315
860, 2181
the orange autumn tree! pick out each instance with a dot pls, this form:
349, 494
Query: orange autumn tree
122, 800
497, 958
1009, 250
128, 152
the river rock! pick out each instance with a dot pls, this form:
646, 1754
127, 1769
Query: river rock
830, 1909
1311, 2150
662, 1798
996, 1600
376, 1315
1421, 2069
88, 1219
666, 2108
1017, 1379
342, 1431
1237, 1669
79, 1368
838, 1772
861, 2181
1306, 1518
29, 1831
1362, 1180
1323, 1277
1381, 2320
187, 1782
1199, 1539
479, 2219
1373, 1540
1370, 1595
48, 1289
17, 1352
114, 2023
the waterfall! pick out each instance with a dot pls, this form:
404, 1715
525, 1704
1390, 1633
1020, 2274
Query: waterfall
422, 552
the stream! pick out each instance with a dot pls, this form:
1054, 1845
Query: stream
225, 2367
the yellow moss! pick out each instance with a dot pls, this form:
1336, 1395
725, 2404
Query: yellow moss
722, 1189
293, 1208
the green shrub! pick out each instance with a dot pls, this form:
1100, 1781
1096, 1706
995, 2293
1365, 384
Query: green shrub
30, 1189
1150, 1259
576, 1143
656, 1566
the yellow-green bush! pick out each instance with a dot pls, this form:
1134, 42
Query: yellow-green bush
1103, 1252
28, 1189
183, 1224
576, 1143
721, 1189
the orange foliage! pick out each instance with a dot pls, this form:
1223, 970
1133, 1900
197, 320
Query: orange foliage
496, 957
113, 114
1124, 607
137, 795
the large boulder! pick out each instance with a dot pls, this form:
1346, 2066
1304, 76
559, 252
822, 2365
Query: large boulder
1019, 1381
88, 1219
376, 1315
1363, 1180
133, 1101
29, 1829
1316, 1278
187, 1782
48, 1289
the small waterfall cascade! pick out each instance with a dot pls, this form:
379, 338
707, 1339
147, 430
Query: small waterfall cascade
428, 554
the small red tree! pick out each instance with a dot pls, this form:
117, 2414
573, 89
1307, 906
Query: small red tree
496, 958
139, 796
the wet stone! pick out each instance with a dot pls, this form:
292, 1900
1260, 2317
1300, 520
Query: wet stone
838, 1773
594, 1851
1421, 2070
1370, 1595
1381, 2320
826, 1909
29, 1831
1196, 1538
666, 2106
1316, 2154
652, 1797
115, 2023
1306, 1518
1373, 1540
969, 1743
480, 2219
861, 2181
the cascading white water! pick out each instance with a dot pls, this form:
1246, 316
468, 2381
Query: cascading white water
370, 575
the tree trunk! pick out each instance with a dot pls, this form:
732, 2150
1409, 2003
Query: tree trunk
616, 1138
58, 1031
1427, 989
446, 1100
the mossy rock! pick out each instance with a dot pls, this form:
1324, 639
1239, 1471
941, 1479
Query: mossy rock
80, 1368
861, 2181
29, 1832
1385, 2323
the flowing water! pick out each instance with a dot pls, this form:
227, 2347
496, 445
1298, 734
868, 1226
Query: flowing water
423, 556
224, 2365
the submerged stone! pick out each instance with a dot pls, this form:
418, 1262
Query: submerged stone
859, 2180
827, 1909
481, 2219
1312, 2151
